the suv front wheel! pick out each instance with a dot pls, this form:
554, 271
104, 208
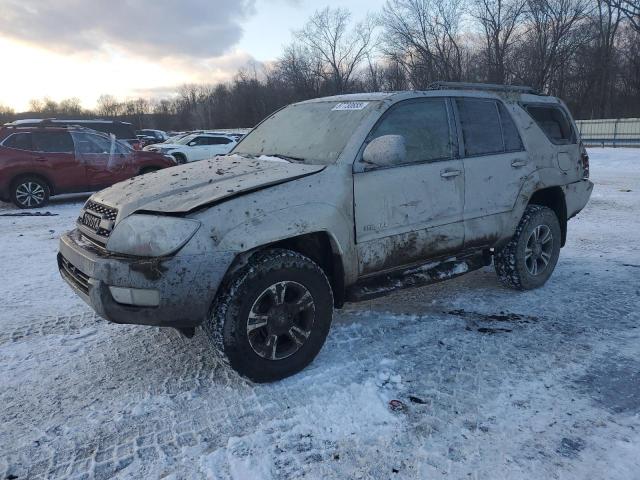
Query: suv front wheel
30, 192
272, 316
529, 259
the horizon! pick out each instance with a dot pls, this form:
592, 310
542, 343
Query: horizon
99, 57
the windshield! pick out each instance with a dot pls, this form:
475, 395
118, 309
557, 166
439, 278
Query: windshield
175, 138
314, 133
185, 140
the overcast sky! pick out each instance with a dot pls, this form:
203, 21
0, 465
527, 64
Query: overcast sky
80, 48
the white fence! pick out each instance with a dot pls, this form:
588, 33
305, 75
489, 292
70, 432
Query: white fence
616, 132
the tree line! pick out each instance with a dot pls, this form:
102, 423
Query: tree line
584, 51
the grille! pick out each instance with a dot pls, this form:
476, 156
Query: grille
101, 246
73, 275
108, 213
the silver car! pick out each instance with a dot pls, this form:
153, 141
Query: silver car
333, 200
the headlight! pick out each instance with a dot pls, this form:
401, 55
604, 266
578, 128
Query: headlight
166, 150
151, 235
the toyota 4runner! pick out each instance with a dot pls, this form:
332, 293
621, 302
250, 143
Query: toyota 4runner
332, 200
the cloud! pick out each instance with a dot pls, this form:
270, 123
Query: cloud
151, 28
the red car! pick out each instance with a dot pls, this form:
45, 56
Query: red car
38, 162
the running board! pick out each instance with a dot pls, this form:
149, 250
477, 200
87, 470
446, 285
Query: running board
431, 272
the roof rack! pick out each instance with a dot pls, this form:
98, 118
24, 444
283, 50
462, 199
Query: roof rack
46, 125
495, 87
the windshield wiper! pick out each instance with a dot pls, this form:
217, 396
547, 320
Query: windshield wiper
287, 158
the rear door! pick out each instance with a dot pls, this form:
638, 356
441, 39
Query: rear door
407, 213
219, 146
495, 164
54, 152
105, 160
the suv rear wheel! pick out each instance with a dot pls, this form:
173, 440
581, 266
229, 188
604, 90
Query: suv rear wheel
272, 316
30, 192
529, 259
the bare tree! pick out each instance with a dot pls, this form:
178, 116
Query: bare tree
301, 70
499, 20
338, 49
607, 19
551, 38
630, 8
424, 37
108, 106
70, 107
6, 113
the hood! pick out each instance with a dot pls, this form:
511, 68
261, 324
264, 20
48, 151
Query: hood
183, 188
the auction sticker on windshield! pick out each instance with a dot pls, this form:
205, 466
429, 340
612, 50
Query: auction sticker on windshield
350, 106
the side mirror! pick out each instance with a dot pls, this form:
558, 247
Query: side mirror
192, 144
385, 151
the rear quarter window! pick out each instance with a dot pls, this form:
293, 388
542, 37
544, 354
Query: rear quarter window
19, 141
553, 121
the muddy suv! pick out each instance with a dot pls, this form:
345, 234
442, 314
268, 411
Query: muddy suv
333, 200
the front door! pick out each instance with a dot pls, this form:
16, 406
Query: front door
106, 161
410, 212
496, 166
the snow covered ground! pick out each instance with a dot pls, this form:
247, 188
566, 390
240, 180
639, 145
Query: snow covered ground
490, 383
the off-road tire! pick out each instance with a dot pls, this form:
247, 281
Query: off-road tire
509, 261
226, 327
35, 183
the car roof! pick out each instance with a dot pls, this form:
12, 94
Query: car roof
63, 121
438, 89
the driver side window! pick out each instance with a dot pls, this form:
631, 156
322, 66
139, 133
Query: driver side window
424, 124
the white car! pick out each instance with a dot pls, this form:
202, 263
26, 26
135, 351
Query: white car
197, 146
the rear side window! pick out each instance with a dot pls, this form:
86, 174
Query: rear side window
19, 141
218, 141
553, 122
52, 142
512, 140
424, 124
480, 126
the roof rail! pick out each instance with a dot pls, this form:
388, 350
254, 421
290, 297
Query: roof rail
483, 86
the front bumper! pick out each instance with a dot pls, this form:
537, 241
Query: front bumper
576, 196
186, 283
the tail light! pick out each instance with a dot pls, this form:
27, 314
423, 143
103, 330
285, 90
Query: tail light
584, 160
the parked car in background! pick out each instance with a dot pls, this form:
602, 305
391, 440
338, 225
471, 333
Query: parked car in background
335, 199
123, 131
196, 146
151, 136
39, 162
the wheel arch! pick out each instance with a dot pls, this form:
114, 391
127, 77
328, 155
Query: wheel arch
553, 198
320, 247
16, 178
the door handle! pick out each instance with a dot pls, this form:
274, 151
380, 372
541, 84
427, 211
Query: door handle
450, 173
518, 163
41, 159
